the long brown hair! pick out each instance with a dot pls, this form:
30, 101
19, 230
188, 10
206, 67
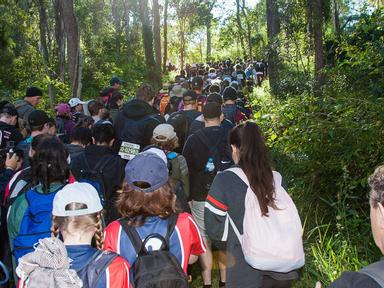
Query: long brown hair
135, 205
83, 222
254, 161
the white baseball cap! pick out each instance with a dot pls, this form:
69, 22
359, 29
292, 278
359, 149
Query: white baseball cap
164, 132
74, 102
76, 192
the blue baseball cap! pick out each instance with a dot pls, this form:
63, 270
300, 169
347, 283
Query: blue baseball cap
148, 168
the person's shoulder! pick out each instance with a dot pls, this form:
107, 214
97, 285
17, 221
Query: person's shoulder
354, 280
113, 226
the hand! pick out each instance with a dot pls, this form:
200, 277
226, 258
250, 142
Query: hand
318, 285
13, 162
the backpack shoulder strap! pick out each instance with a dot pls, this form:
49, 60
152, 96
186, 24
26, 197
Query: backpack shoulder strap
375, 271
240, 173
132, 234
172, 220
103, 162
84, 160
97, 267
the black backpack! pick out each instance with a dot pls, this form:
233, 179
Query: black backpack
204, 179
181, 124
90, 273
155, 269
94, 176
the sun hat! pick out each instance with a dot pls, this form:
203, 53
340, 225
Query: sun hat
148, 168
76, 192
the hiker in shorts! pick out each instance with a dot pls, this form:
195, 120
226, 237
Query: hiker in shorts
371, 276
101, 164
207, 153
147, 205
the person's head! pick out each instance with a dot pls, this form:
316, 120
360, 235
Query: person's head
250, 152
50, 163
212, 114
189, 100
115, 83
215, 98
63, 110
116, 100
214, 88
164, 136
52, 127
376, 183
76, 215
197, 84
146, 190
76, 104
95, 108
38, 122
33, 95
146, 93
229, 95
35, 143
81, 136
8, 114
85, 121
103, 135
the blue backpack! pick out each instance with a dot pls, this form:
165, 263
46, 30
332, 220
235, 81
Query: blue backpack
36, 222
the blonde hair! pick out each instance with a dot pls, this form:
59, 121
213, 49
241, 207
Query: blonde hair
166, 144
83, 222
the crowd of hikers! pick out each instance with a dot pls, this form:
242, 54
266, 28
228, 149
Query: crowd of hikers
131, 194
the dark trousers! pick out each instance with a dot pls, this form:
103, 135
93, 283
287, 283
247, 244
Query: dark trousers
269, 282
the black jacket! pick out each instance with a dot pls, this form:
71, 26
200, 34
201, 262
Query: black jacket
136, 122
9, 133
113, 174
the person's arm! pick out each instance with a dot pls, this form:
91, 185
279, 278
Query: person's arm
197, 243
216, 208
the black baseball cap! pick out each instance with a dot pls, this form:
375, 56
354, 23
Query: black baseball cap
197, 82
33, 91
38, 118
229, 93
9, 109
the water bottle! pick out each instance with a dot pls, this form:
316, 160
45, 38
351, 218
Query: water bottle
210, 166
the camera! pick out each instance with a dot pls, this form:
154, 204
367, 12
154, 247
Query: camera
10, 149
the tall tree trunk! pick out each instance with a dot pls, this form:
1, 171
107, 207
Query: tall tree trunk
209, 40
273, 29
248, 24
117, 16
127, 25
60, 41
317, 20
165, 36
73, 44
153, 76
240, 28
336, 18
43, 25
156, 34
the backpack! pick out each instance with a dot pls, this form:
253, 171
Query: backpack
181, 124
216, 153
272, 243
375, 271
21, 184
133, 129
91, 272
36, 222
94, 176
159, 268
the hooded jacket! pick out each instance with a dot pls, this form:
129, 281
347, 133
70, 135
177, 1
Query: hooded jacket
136, 122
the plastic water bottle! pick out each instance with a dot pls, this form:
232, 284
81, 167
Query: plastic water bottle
210, 166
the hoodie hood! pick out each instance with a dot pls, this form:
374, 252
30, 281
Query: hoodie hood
136, 109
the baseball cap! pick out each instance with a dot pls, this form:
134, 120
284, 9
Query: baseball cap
74, 102
62, 109
38, 118
33, 91
164, 132
76, 192
197, 81
212, 110
115, 80
148, 168
189, 95
229, 93
9, 109
177, 91
157, 151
